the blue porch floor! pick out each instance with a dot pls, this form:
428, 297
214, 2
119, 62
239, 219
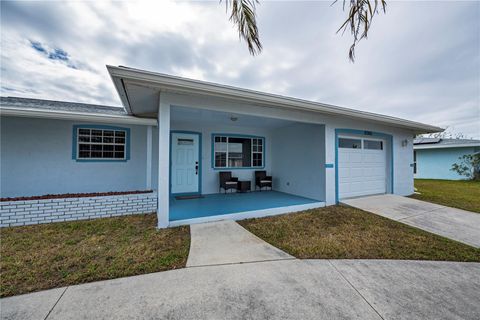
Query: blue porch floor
219, 204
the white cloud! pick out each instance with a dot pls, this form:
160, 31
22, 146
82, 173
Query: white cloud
421, 61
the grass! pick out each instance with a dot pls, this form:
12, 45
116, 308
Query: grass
59, 254
461, 194
338, 232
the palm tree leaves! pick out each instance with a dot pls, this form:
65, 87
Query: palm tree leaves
359, 19
244, 17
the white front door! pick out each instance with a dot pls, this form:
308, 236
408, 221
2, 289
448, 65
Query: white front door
185, 166
362, 166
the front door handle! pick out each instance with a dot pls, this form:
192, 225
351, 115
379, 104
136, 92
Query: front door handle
196, 169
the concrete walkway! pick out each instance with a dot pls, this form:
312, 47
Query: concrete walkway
285, 289
227, 242
456, 224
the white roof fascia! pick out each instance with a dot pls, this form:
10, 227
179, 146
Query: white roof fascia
462, 145
168, 82
79, 116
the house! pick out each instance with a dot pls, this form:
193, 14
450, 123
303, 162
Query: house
172, 139
434, 157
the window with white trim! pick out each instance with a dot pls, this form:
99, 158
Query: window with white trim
238, 152
101, 144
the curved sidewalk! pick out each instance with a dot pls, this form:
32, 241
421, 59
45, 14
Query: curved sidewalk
287, 289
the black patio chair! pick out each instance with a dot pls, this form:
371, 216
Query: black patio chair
262, 180
227, 181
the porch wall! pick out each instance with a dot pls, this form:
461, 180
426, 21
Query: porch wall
209, 181
298, 160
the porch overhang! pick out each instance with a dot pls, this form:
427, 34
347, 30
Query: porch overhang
139, 91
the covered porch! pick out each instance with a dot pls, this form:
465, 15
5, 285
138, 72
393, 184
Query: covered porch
205, 143
201, 133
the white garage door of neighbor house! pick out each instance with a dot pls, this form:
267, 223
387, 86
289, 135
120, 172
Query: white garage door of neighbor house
362, 167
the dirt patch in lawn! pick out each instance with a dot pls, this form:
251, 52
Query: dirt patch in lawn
459, 194
338, 232
59, 254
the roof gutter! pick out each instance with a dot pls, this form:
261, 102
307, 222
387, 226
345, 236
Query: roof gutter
5, 110
168, 82
462, 145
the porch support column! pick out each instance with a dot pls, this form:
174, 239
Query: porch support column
148, 180
330, 177
163, 162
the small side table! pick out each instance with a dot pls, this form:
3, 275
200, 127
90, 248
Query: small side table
243, 186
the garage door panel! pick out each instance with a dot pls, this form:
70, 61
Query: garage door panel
343, 172
356, 172
361, 171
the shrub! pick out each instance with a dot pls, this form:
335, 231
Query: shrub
468, 166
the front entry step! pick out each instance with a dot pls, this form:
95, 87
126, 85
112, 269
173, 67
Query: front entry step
226, 242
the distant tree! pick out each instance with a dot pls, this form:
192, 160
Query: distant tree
358, 21
468, 166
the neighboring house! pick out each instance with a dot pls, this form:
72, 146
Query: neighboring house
175, 135
434, 157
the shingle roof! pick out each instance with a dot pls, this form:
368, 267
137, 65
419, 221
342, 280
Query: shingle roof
37, 104
444, 143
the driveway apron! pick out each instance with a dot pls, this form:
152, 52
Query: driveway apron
456, 224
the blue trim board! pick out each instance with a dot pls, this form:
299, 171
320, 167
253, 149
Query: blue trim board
329, 165
103, 127
199, 164
236, 136
362, 133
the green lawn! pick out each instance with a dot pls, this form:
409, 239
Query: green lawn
59, 254
458, 194
339, 232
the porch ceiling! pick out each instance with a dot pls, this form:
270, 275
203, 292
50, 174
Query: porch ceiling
204, 116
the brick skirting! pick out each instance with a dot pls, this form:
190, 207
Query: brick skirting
20, 213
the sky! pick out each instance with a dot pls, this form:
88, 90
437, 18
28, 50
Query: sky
421, 60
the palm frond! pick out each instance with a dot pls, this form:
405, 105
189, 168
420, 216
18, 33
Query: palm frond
243, 15
359, 19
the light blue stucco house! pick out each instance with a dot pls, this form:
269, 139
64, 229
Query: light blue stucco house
434, 157
164, 149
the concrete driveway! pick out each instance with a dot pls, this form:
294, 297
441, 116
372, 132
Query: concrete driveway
456, 224
285, 289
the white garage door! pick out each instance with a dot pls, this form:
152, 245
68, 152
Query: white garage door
362, 167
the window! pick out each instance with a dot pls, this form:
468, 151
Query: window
237, 152
414, 162
373, 144
101, 144
349, 143
185, 142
